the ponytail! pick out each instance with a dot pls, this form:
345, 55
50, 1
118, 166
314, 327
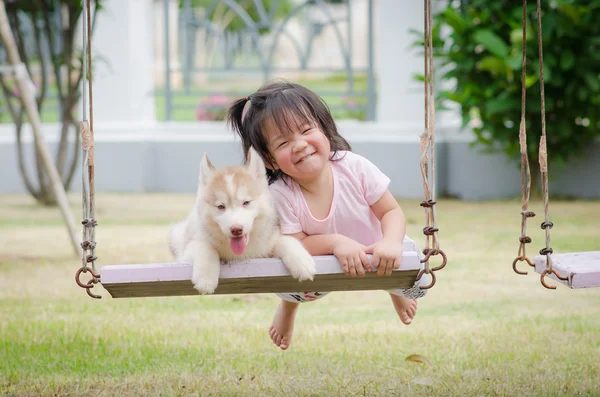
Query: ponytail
235, 119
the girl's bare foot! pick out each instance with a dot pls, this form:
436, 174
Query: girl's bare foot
282, 327
406, 308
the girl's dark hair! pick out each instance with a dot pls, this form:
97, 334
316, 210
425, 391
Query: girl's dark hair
288, 106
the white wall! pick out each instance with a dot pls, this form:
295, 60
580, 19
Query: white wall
122, 51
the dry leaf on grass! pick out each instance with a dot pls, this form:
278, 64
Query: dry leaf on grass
417, 358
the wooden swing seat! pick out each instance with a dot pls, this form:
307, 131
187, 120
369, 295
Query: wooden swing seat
267, 275
582, 269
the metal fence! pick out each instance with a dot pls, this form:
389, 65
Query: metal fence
226, 49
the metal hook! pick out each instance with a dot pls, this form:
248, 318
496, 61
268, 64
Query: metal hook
545, 272
90, 284
432, 252
428, 254
433, 279
521, 259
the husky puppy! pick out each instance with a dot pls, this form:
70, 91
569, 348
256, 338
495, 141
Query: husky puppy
234, 218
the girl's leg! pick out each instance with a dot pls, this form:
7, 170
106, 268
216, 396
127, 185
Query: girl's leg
282, 327
405, 300
406, 308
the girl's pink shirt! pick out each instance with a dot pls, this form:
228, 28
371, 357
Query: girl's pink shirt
357, 184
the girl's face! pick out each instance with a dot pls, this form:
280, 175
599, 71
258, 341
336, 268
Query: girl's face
302, 153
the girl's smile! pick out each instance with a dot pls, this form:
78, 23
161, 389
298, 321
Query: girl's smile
303, 153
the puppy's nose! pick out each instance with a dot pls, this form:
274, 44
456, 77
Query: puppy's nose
236, 230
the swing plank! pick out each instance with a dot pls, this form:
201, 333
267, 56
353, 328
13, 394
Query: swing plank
581, 268
267, 275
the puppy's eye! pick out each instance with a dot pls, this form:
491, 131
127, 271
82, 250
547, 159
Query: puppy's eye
221, 207
246, 203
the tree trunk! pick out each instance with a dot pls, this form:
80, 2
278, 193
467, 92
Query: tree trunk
28, 101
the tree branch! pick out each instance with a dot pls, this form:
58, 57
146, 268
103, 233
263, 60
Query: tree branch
19, 39
18, 120
38, 47
53, 55
8, 95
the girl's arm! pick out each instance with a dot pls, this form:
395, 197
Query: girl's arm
319, 244
393, 221
387, 253
350, 254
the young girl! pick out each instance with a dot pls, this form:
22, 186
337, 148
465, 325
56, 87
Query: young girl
334, 201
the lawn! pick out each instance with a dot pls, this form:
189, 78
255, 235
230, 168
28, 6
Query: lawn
482, 329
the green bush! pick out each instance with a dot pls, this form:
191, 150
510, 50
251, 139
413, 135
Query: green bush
479, 45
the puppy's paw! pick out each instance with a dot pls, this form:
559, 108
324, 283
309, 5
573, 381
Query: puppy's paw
205, 285
205, 272
302, 265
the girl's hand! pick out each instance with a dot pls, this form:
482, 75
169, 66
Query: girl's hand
387, 255
351, 256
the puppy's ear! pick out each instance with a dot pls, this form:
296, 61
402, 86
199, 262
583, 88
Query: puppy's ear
255, 164
206, 170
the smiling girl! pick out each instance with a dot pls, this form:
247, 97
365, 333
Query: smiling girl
334, 201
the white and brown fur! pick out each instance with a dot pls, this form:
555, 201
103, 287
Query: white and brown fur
203, 237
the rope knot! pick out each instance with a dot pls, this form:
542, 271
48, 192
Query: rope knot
88, 245
546, 225
528, 213
430, 230
89, 222
546, 251
525, 240
427, 203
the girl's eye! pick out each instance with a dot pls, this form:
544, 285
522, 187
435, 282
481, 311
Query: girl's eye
246, 203
306, 131
221, 207
281, 144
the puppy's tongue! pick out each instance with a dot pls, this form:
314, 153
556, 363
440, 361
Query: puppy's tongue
238, 244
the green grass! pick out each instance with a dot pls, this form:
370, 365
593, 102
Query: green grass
483, 329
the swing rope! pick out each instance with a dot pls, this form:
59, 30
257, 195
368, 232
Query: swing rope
427, 140
542, 159
525, 171
88, 254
